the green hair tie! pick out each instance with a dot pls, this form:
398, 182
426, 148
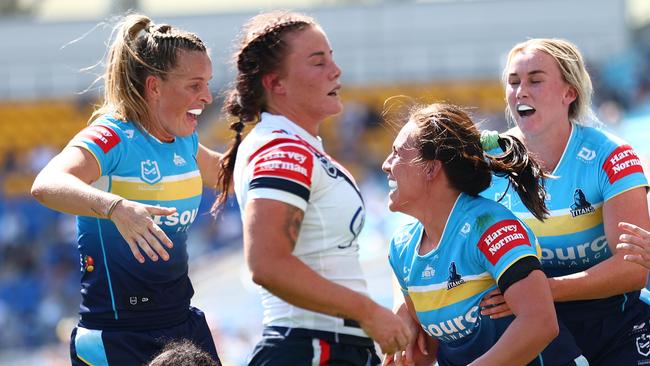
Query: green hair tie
489, 140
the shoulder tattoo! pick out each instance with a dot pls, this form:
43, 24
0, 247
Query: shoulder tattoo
292, 223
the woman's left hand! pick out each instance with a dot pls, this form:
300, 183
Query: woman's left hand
494, 305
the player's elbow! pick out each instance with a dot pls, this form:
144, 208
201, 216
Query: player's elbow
639, 278
38, 189
261, 271
258, 277
542, 322
547, 325
552, 329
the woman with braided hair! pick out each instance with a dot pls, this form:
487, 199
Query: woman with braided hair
302, 211
462, 246
134, 179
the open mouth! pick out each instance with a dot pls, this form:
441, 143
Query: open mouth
334, 92
392, 184
524, 110
194, 113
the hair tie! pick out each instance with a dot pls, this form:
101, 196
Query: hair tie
489, 139
238, 126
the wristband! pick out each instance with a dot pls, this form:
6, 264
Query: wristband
111, 208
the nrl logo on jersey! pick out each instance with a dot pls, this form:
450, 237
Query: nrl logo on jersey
580, 204
455, 278
149, 171
643, 345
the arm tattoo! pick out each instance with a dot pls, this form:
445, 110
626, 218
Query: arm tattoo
292, 224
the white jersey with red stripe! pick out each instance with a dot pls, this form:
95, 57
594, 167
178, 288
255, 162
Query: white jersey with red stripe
279, 160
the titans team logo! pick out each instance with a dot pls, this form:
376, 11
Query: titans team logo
643, 344
150, 172
455, 278
580, 204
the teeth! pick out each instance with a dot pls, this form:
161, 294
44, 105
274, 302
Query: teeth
524, 108
392, 184
195, 112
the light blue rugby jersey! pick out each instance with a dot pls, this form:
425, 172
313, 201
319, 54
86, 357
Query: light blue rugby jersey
594, 167
116, 289
481, 240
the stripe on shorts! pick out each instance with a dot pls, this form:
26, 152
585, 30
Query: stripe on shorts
321, 352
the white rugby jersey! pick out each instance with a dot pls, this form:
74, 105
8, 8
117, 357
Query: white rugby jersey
281, 161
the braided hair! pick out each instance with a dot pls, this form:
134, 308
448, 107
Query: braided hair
263, 49
446, 133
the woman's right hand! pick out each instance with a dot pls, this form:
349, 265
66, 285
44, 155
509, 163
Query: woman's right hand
387, 329
416, 352
134, 221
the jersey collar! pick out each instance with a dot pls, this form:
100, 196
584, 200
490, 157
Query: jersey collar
281, 122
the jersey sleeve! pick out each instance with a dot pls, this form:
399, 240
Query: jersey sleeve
103, 142
620, 171
284, 171
502, 244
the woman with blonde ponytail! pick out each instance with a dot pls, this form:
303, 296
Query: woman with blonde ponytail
597, 200
134, 179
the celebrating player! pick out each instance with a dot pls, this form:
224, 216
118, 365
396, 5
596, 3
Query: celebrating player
598, 183
134, 178
463, 246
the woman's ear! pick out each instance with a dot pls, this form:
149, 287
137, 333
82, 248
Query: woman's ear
433, 169
570, 95
272, 83
151, 87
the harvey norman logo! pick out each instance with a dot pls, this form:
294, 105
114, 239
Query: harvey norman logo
622, 162
499, 238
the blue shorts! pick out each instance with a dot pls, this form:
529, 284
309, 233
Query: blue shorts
618, 338
132, 347
562, 351
282, 346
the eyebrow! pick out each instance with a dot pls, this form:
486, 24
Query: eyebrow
534, 72
318, 53
200, 78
